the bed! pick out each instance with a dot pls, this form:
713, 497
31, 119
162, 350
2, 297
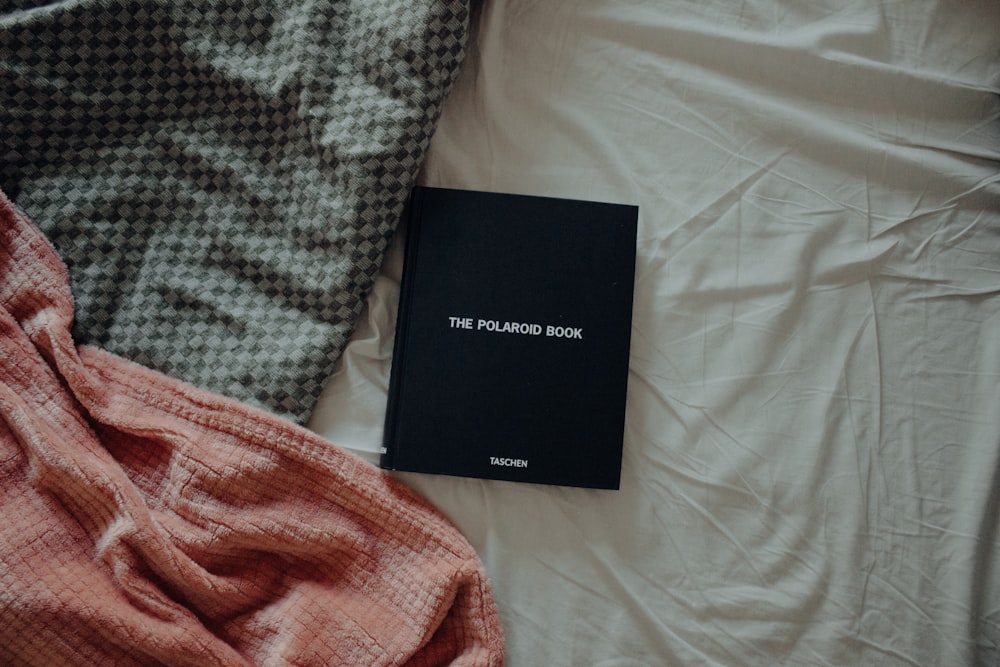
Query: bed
812, 435
811, 470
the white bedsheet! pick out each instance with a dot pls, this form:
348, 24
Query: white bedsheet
812, 447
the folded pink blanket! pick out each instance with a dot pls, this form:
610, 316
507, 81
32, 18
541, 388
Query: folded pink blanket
147, 522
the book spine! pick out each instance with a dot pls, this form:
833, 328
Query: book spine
413, 218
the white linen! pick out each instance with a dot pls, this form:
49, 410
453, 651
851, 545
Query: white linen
812, 447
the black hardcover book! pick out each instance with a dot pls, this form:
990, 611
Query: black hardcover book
512, 339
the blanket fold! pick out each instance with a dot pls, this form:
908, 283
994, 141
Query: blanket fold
222, 179
150, 522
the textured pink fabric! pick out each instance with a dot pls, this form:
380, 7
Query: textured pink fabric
147, 522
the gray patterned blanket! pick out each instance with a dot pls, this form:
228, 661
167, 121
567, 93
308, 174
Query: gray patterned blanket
222, 177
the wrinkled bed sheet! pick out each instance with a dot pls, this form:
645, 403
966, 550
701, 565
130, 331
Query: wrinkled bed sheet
812, 449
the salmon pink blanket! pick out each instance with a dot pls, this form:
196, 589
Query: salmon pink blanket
147, 522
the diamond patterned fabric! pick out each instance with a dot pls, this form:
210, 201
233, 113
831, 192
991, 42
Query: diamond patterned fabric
222, 178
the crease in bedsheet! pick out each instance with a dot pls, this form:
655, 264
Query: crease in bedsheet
732, 612
879, 502
868, 38
823, 136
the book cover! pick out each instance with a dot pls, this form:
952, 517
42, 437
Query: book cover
512, 338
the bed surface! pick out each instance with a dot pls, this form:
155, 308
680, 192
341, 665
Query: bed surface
812, 442
811, 465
